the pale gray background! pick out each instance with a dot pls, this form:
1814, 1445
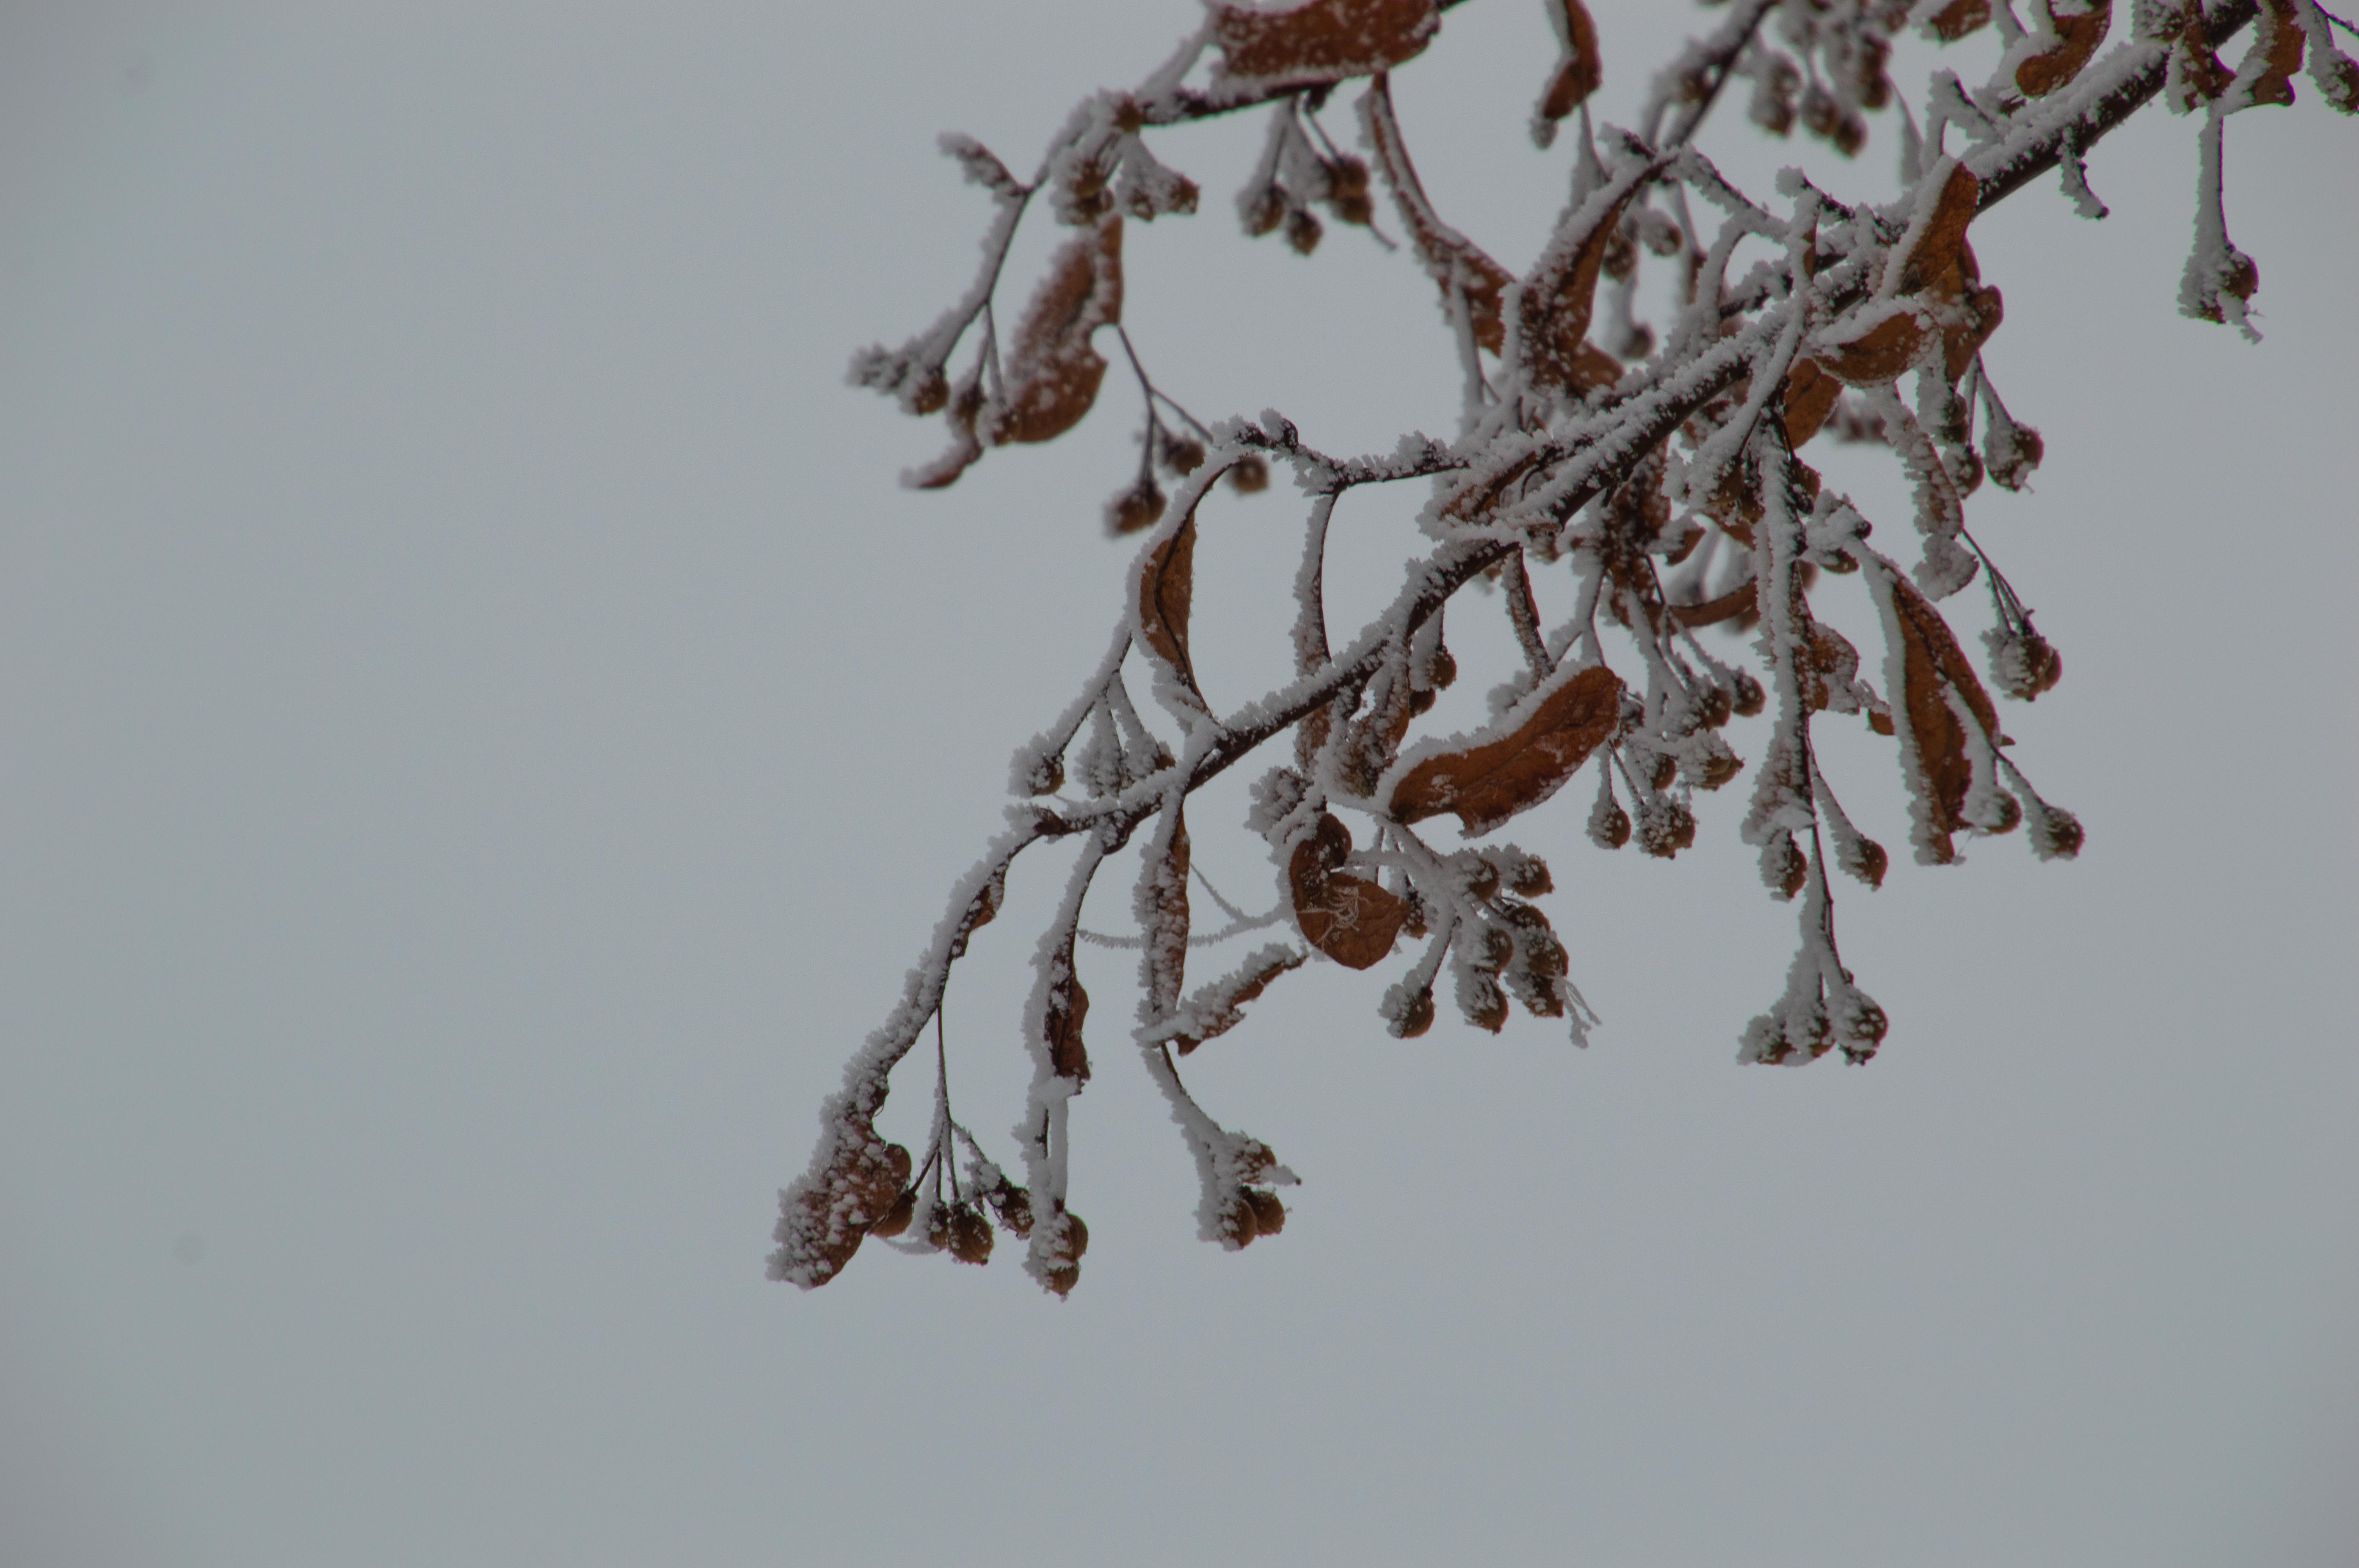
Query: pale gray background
482, 734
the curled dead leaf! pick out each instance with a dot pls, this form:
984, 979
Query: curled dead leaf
1326, 40
2071, 40
1958, 18
1810, 394
1350, 919
1872, 345
1582, 69
1488, 782
1052, 372
1936, 760
1068, 1006
1167, 589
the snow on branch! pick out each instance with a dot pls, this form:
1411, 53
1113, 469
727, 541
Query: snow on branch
1663, 475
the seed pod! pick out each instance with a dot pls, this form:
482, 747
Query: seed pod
1136, 509
1747, 699
1249, 476
896, 1218
1264, 212
1303, 231
1711, 764
1013, 1206
938, 1228
1478, 878
1238, 1225
1269, 1215
1783, 868
1482, 1001
2056, 834
1531, 879
2022, 663
1182, 455
1664, 826
1609, 825
1863, 857
969, 1235
1415, 1015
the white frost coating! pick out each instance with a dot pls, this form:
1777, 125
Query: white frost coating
1532, 478
2219, 278
1041, 1133
849, 1113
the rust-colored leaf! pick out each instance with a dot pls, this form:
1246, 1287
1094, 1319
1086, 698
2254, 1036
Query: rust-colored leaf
1826, 661
1810, 396
1561, 295
1349, 918
1162, 909
982, 908
1486, 783
2072, 40
1220, 1007
1933, 666
1052, 372
1736, 601
1069, 1007
1871, 349
2279, 42
1326, 40
1959, 18
1978, 313
1582, 70
1936, 233
1167, 589
1456, 264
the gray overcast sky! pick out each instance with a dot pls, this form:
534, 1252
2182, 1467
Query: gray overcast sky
481, 735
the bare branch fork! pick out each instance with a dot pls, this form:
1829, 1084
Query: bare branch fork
1666, 476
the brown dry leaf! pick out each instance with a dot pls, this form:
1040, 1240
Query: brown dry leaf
1934, 252
1827, 661
1052, 371
1163, 921
1221, 1006
1934, 665
1455, 263
2196, 74
1593, 369
1487, 784
1876, 355
1810, 396
1582, 70
1980, 311
1327, 41
2075, 40
2279, 41
1349, 918
1068, 1006
1736, 601
1557, 304
981, 908
1958, 18
1167, 589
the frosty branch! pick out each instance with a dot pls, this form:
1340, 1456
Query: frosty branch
1664, 476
